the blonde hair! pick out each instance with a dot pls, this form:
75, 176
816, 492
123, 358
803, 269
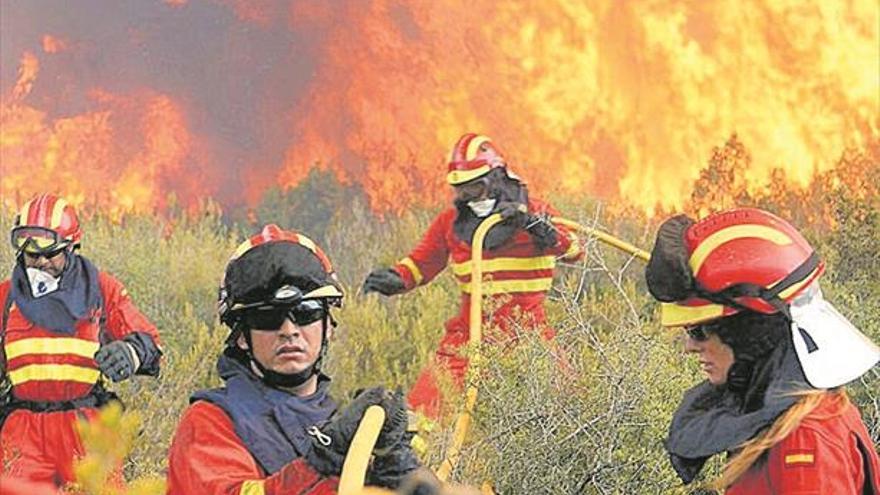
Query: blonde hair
753, 449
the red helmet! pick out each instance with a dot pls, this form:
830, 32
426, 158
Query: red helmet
44, 224
473, 156
276, 267
738, 259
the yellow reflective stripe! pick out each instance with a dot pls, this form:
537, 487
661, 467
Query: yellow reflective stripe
307, 243
416, 273
58, 212
461, 176
55, 372
799, 459
240, 250
23, 213
736, 232
676, 315
473, 147
507, 264
326, 291
79, 347
492, 287
252, 487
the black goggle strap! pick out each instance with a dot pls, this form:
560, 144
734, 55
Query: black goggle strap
728, 296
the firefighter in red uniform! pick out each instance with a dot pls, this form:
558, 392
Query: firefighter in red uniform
520, 254
65, 323
273, 428
743, 283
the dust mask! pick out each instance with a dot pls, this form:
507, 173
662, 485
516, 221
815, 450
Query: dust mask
42, 283
483, 207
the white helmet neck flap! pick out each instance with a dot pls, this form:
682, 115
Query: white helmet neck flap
832, 351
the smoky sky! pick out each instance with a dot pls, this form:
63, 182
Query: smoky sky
238, 81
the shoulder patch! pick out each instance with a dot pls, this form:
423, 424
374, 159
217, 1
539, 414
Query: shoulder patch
800, 458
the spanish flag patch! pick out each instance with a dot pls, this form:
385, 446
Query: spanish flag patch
800, 458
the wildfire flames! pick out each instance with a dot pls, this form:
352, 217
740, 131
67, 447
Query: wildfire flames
623, 100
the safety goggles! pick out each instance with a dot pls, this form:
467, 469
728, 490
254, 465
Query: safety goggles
37, 240
473, 190
49, 256
272, 317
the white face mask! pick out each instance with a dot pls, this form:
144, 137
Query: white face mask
483, 207
42, 283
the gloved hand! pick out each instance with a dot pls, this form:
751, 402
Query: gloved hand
118, 360
389, 470
422, 481
384, 281
516, 211
542, 231
332, 438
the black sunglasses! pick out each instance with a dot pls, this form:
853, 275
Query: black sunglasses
702, 331
272, 317
697, 333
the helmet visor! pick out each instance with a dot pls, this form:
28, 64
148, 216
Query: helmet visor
36, 240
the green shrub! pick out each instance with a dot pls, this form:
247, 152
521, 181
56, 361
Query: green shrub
595, 428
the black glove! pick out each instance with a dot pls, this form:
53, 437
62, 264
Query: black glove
422, 481
118, 360
514, 211
331, 439
389, 470
542, 231
384, 281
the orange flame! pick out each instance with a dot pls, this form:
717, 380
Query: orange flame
27, 74
52, 44
619, 99
128, 154
622, 100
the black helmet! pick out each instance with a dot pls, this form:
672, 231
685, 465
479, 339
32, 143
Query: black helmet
276, 269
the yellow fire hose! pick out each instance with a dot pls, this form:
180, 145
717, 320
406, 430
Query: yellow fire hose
604, 237
463, 422
354, 469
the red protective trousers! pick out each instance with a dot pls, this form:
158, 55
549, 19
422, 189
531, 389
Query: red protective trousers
51, 367
207, 457
516, 278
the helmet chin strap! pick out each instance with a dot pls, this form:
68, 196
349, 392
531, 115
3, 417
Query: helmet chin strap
276, 379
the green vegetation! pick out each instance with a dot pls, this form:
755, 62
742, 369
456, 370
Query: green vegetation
584, 415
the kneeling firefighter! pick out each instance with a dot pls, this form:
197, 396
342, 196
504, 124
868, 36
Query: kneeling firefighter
273, 427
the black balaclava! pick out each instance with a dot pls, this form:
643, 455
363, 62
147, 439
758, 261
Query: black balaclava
752, 336
273, 378
254, 278
77, 297
761, 386
502, 188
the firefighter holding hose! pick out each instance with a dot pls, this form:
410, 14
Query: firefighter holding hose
273, 427
520, 256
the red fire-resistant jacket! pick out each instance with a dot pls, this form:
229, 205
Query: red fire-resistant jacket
828, 453
46, 366
50, 366
208, 457
517, 272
